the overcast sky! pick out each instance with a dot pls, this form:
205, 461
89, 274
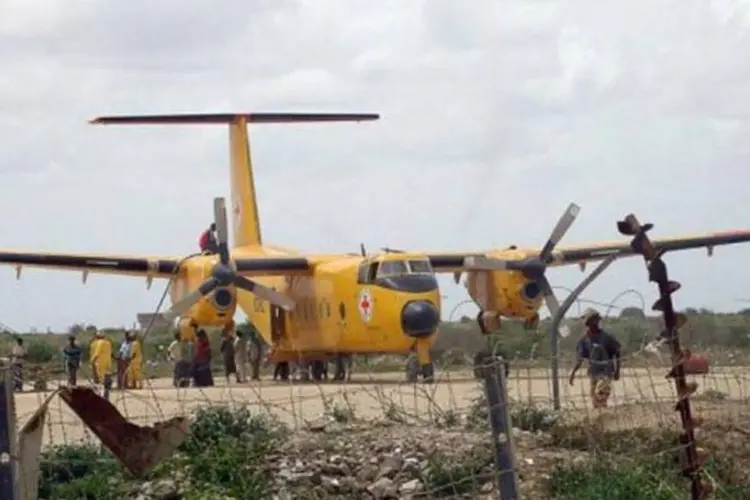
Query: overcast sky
495, 115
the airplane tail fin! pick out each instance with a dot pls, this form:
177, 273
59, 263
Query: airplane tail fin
245, 217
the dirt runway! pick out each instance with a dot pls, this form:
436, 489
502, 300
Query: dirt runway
374, 395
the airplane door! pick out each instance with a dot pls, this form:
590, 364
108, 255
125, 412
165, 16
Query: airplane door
278, 324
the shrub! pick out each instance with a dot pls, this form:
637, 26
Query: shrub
41, 352
598, 480
228, 449
79, 471
522, 416
451, 476
646, 477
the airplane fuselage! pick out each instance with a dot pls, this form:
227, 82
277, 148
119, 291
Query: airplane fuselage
345, 305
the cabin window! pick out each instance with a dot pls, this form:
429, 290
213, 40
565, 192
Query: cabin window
363, 273
420, 266
392, 268
342, 311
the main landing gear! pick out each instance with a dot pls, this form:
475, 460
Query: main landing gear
489, 325
531, 323
420, 363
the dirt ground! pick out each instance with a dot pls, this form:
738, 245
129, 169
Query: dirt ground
636, 397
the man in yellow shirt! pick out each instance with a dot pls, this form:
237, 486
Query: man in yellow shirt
134, 369
100, 356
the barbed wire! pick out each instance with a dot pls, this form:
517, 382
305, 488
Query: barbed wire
379, 436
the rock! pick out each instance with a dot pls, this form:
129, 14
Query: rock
411, 487
383, 488
411, 467
331, 484
367, 473
317, 425
165, 489
390, 467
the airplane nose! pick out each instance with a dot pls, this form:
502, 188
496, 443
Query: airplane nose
419, 318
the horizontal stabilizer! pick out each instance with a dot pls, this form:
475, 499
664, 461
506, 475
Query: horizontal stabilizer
225, 118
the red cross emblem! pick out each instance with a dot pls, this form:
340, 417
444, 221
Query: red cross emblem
365, 305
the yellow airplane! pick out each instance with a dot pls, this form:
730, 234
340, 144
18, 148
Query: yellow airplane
312, 307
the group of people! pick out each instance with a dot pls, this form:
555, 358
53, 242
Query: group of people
128, 361
236, 353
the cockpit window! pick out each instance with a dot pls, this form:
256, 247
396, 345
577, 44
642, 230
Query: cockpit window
420, 266
392, 268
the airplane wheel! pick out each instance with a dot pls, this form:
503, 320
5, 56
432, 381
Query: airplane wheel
412, 369
428, 373
304, 372
340, 373
318, 370
284, 371
531, 324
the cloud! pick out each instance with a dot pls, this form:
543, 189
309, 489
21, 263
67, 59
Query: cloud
494, 118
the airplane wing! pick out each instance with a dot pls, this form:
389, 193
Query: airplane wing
98, 263
147, 266
451, 262
600, 251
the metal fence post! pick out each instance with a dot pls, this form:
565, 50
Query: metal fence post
8, 446
496, 390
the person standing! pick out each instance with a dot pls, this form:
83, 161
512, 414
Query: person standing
100, 357
180, 367
602, 351
72, 353
18, 355
123, 359
134, 369
227, 353
254, 352
240, 356
202, 376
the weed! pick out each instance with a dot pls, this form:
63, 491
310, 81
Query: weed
453, 476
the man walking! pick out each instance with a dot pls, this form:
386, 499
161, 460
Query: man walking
602, 351
72, 353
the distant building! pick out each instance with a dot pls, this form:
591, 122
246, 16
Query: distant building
145, 319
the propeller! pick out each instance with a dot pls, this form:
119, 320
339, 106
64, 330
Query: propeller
532, 268
225, 274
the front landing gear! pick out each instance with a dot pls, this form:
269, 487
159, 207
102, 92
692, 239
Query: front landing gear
531, 323
421, 363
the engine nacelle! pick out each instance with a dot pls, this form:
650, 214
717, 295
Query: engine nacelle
508, 293
216, 309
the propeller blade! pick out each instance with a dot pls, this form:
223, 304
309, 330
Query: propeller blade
553, 305
220, 217
362, 249
191, 299
269, 294
482, 262
559, 231
457, 277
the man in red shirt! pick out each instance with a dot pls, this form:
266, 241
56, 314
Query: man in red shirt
207, 241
